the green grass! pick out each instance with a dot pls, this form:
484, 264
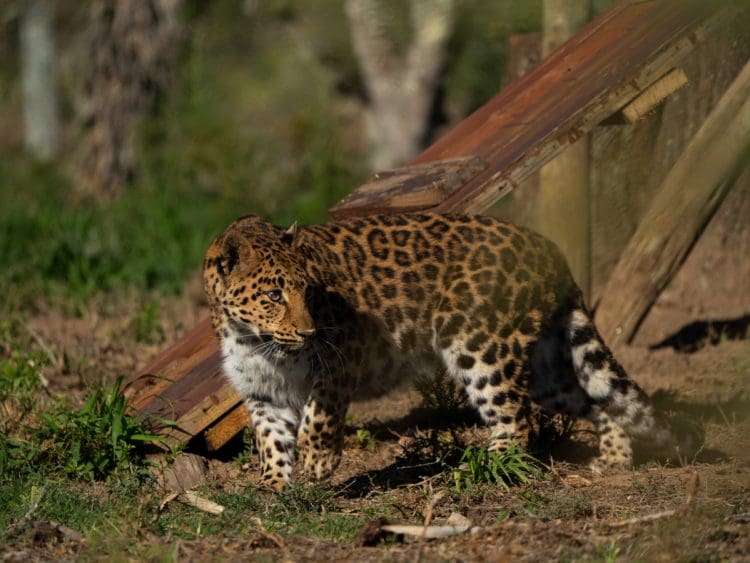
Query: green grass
534, 504
478, 465
309, 510
45, 435
364, 440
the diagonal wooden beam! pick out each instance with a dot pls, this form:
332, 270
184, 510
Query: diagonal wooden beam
608, 63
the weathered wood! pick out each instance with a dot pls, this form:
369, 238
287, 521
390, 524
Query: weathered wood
654, 95
226, 428
598, 71
564, 181
183, 390
594, 74
410, 188
629, 163
688, 197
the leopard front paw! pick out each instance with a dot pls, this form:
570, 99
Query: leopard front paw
502, 443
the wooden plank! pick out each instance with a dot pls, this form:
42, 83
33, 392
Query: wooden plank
598, 71
410, 188
171, 365
183, 391
226, 428
686, 200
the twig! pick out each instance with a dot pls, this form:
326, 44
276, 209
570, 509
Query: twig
427, 519
191, 498
38, 339
167, 499
275, 538
646, 518
723, 415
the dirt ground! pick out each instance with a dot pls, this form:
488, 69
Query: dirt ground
692, 355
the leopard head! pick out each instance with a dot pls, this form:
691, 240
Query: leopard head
255, 281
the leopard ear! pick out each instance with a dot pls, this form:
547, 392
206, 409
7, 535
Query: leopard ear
235, 251
290, 235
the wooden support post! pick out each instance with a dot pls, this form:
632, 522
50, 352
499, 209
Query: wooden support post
686, 200
563, 205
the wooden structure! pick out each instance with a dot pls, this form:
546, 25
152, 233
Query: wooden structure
612, 62
689, 195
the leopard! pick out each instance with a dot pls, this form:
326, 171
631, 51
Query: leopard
311, 318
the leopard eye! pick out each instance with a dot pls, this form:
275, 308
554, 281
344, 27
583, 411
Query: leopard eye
275, 295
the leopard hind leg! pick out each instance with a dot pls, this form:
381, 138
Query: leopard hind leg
620, 409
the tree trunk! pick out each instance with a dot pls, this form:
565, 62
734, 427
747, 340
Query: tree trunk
563, 202
131, 47
38, 69
401, 87
688, 197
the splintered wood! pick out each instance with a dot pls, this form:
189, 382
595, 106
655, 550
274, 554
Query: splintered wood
600, 70
654, 95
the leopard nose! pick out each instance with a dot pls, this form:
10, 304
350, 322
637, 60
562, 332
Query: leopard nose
306, 332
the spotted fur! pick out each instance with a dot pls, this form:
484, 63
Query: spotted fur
308, 317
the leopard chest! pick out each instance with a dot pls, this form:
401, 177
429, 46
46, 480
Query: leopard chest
259, 373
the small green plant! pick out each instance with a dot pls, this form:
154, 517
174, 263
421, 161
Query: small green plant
479, 465
609, 553
364, 440
94, 440
248, 448
20, 381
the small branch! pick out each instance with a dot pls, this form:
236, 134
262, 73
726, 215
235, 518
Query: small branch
191, 498
646, 518
275, 538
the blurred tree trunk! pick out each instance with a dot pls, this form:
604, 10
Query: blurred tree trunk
131, 47
37, 50
401, 87
563, 202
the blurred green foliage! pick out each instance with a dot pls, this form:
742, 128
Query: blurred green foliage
263, 116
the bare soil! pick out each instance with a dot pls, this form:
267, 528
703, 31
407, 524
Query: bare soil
692, 355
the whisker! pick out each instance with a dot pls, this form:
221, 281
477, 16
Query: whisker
336, 350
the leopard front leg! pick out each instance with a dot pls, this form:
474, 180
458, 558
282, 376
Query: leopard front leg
274, 427
321, 433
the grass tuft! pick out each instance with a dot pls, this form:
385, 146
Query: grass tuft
479, 465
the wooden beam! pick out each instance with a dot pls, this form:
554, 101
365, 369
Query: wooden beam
410, 188
183, 390
602, 68
686, 200
226, 427
563, 191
